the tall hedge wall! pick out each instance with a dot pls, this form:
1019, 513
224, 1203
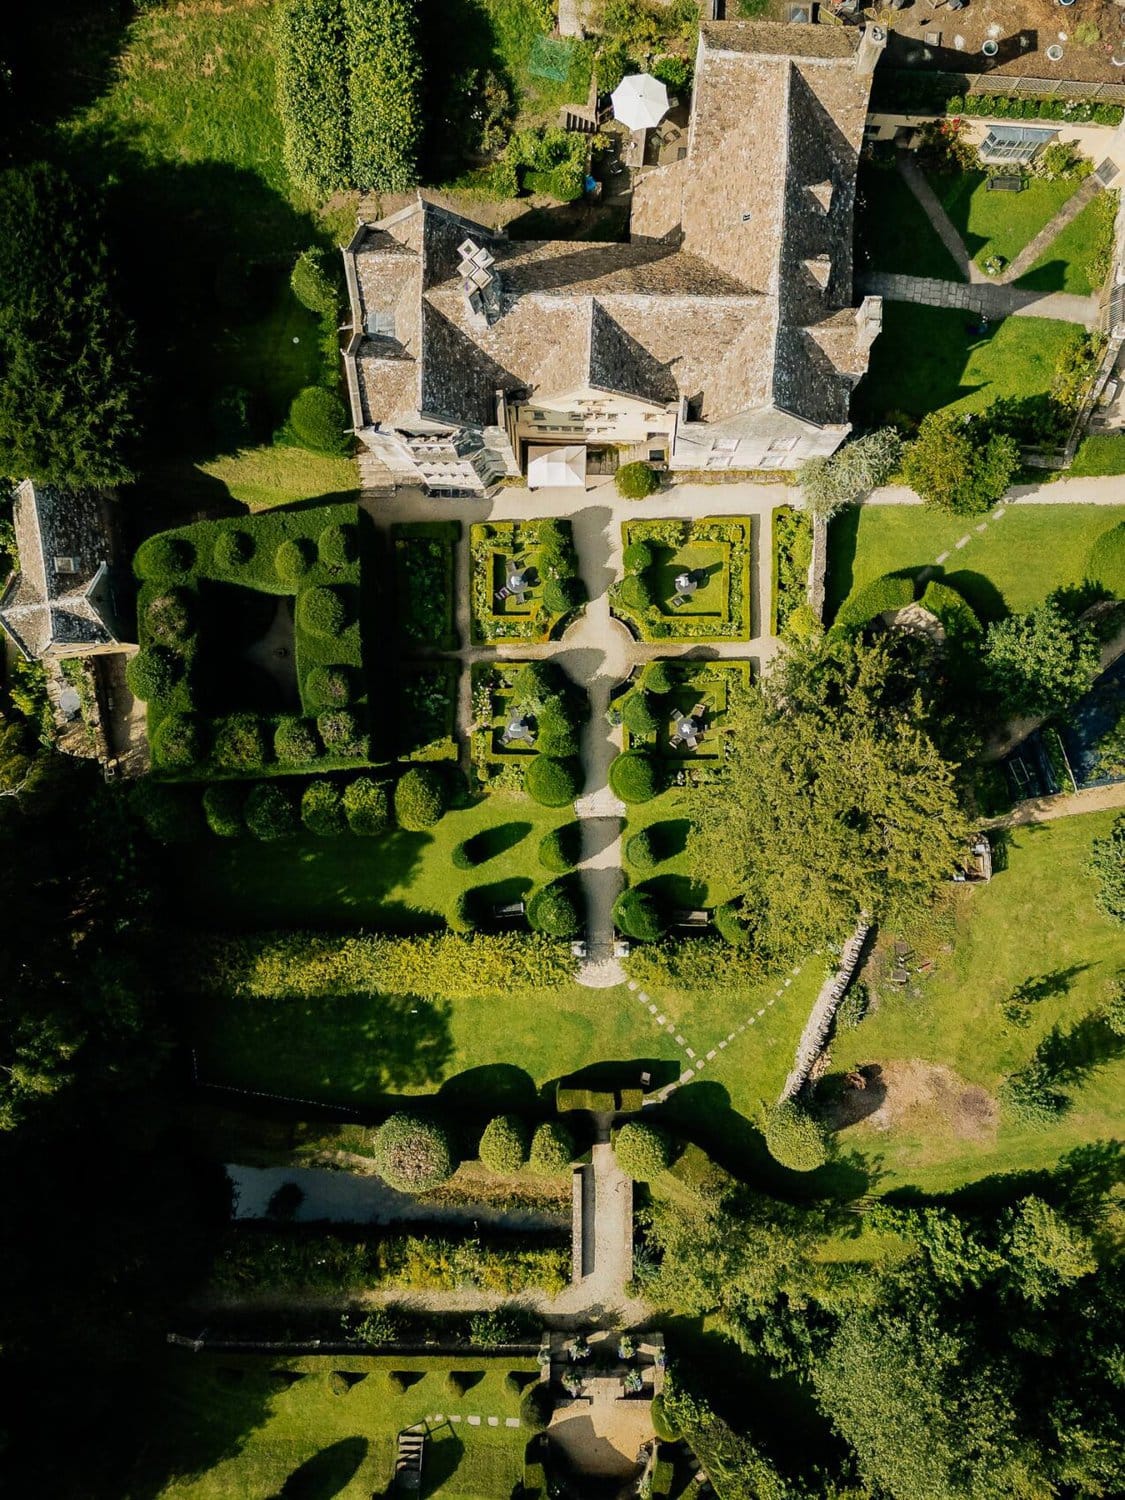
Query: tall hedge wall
385, 78
312, 92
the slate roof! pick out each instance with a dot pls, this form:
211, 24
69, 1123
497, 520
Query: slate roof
47, 608
739, 252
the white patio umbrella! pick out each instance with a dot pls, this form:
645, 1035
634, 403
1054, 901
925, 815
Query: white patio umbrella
553, 468
640, 101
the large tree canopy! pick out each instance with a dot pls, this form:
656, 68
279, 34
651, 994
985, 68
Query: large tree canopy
67, 385
836, 799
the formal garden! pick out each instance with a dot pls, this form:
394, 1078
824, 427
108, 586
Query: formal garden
525, 584
685, 580
524, 712
422, 563
678, 711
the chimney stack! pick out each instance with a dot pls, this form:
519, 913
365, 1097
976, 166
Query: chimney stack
871, 46
868, 322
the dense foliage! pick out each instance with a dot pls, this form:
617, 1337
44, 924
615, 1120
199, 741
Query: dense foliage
384, 83
68, 390
835, 798
412, 1154
643, 1150
1040, 662
851, 473
1107, 863
635, 481
794, 1138
312, 95
960, 468
504, 1144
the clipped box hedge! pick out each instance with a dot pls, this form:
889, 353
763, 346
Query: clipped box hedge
314, 556
646, 609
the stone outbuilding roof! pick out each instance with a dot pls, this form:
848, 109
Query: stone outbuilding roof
61, 601
734, 293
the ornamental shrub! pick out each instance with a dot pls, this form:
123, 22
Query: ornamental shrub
170, 617
240, 743
321, 611
658, 677
504, 1144
367, 806
537, 681
635, 776
322, 810
464, 856
561, 849
222, 808
269, 812
337, 546
385, 81
294, 741
537, 1407
662, 1424
892, 591
319, 420
956, 616
558, 729
638, 557
169, 813
419, 798
635, 481
463, 914
232, 549
641, 850
551, 782
163, 556
312, 95
342, 733
293, 559
560, 595
552, 1148
328, 687
638, 714
315, 281
732, 925
636, 914
1107, 864
1106, 563
553, 909
794, 1138
412, 1154
153, 673
643, 1151
635, 593
179, 740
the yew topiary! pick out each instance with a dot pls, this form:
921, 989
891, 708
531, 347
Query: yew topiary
635, 481
322, 810
170, 616
794, 1138
551, 782
232, 549
367, 807
553, 909
328, 687
269, 812
412, 1154
419, 799
152, 674
163, 557
179, 740
636, 914
293, 559
643, 1151
222, 808
321, 611
635, 777
504, 1144
294, 741
561, 849
638, 713
337, 546
552, 1148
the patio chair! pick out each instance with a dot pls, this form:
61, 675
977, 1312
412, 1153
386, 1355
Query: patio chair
502, 594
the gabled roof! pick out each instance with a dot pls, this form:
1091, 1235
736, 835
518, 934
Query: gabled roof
60, 597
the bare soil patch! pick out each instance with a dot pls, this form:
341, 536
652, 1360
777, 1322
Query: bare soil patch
910, 1094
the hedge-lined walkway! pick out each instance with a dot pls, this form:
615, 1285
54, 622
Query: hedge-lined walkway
597, 652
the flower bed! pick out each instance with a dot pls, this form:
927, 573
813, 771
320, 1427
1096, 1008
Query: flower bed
544, 552
427, 711
792, 553
716, 552
423, 558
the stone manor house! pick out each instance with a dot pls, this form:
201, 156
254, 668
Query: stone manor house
721, 336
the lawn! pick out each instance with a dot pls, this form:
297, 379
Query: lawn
716, 554
232, 1429
925, 359
1013, 564
998, 223
280, 474
711, 684
892, 230
1077, 260
1101, 454
1036, 921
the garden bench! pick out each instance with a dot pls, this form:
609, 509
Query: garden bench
1007, 184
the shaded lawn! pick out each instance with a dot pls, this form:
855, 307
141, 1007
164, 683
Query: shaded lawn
1015, 563
998, 223
925, 359
707, 561
244, 1435
1077, 260
1036, 920
397, 882
892, 230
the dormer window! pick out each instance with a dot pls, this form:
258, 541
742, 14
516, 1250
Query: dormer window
380, 325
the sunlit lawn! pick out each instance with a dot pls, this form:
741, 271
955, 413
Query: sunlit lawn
1013, 564
1077, 260
992, 223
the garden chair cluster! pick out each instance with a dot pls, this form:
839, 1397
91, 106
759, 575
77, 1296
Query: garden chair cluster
686, 585
517, 731
515, 586
689, 728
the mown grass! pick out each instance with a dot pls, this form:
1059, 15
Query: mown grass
1098, 455
1036, 921
237, 1433
1010, 566
925, 359
265, 477
1077, 260
892, 230
998, 223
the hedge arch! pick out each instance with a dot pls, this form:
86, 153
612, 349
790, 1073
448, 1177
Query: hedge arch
892, 591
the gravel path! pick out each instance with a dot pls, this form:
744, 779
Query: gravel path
1064, 805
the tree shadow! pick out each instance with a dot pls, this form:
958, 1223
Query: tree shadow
1079, 1182
490, 843
619, 1073
327, 1472
676, 891
61, 59
444, 1453
1069, 1057
492, 1088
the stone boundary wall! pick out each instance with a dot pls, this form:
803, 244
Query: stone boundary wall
824, 1011
818, 567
